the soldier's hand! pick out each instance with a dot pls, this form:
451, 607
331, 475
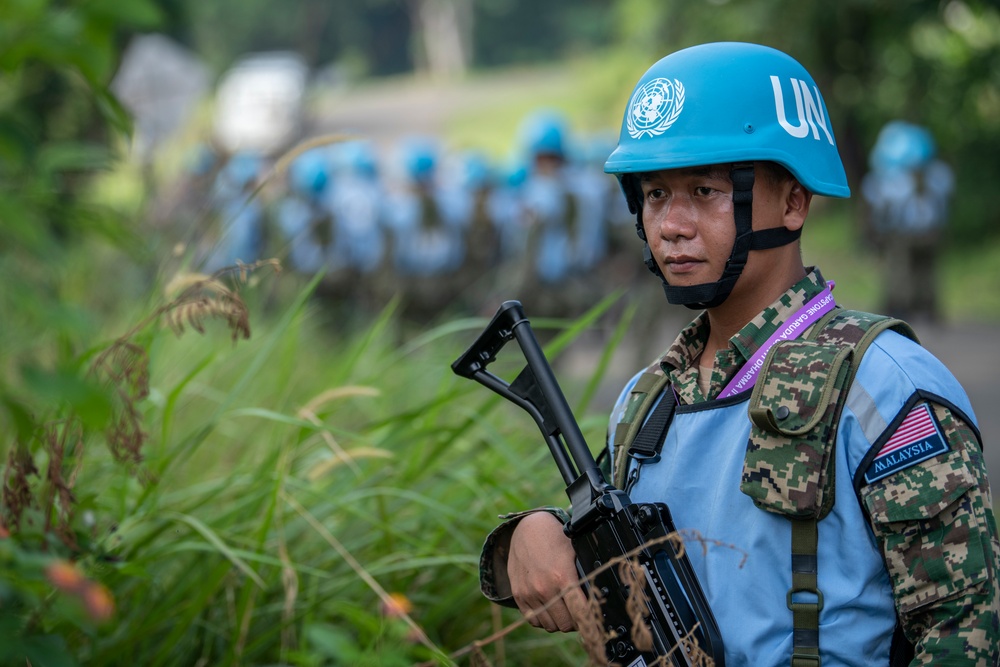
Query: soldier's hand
541, 564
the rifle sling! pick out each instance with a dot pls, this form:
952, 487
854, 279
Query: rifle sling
649, 441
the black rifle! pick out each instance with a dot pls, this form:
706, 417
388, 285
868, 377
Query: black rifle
606, 524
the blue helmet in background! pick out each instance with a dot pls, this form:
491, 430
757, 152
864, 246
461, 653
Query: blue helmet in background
512, 173
901, 145
727, 103
420, 158
357, 156
309, 173
477, 171
545, 132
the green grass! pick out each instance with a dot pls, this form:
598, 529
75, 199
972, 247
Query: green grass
291, 481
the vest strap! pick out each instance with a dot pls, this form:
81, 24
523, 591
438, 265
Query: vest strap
647, 445
640, 402
805, 614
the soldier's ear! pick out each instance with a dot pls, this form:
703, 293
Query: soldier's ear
797, 200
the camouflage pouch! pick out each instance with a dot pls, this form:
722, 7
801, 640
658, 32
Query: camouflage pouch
794, 409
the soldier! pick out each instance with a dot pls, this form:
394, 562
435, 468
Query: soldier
565, 235
356, 201
427, 219
238, 231
908, 192
838, 459
305, 222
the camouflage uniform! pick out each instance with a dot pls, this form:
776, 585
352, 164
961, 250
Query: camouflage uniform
932, 522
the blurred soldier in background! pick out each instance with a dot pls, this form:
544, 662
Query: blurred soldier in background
564, 237
506, 207
483, 243
908, 192
427, 219
237, 231
306, 224
355, 200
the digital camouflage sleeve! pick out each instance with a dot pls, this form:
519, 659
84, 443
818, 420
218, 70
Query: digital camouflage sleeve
935, 525
493, 579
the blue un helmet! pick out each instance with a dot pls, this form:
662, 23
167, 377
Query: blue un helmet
727, 103
309, 173
544, 133
901, 146
356, 157
420, 158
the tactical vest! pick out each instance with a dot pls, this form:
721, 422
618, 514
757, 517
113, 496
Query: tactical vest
794, 409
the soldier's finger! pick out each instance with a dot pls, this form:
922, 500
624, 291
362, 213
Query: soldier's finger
538, 617
579, 610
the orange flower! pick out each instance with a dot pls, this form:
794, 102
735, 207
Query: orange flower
4, 533
98, 602
396, 606
65, 576
96, 599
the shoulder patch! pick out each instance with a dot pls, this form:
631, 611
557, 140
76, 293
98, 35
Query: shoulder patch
916, 439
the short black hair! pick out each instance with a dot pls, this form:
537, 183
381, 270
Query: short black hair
772, 173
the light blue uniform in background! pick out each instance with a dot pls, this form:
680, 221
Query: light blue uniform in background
307, 224
427, 242
240, 216
357, 205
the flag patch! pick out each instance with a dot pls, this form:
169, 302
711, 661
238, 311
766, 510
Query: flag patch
917, 439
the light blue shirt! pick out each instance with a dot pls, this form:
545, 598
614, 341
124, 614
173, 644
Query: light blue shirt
745, 570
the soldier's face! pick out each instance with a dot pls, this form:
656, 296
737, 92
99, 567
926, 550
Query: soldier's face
687, 215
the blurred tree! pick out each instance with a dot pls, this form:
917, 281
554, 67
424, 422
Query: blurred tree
445, 29
517, 31
372, 36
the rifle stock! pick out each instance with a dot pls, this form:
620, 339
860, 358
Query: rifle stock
606, 525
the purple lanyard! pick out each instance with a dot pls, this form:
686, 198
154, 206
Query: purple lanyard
793, 327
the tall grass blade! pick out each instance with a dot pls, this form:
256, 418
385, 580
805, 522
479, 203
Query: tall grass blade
218, 543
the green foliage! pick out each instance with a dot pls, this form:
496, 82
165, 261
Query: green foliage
56, 118
287, 487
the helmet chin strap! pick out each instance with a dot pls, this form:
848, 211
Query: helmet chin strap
709, 295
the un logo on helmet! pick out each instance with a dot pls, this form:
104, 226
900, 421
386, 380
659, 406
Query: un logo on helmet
654, 107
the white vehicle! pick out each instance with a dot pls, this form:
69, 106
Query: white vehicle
259, 103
